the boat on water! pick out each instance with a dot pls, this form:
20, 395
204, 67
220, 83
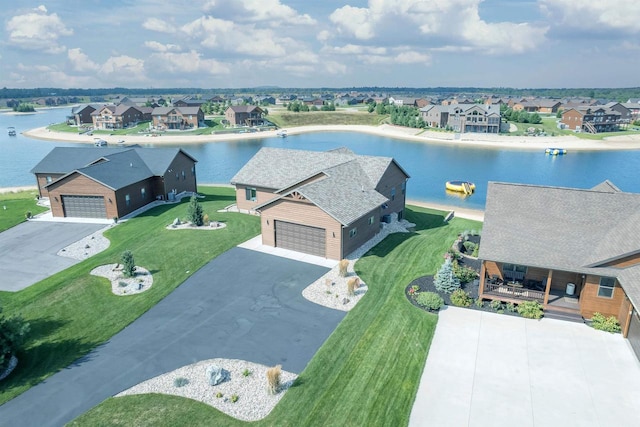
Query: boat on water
555, 151
464, 187
99, 142
282, 133
11, 131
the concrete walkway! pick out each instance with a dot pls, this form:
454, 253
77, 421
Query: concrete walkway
487, 369
242, 305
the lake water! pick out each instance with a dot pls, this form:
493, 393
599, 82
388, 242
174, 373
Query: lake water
430, 166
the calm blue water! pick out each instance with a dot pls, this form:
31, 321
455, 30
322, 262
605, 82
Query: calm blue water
430, 166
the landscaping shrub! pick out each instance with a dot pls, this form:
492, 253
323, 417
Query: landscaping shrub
205, 219
479, 302
352, 285
430, 300
607, 324
273, 379
219, 395
13, 331
511, 307
464, 274
460, 298
475, 252
246, 373
445, 280
234, 398
180, 382
343, 265
530, 309
469, 247
194, 212
453, 254
128, 264
496, 305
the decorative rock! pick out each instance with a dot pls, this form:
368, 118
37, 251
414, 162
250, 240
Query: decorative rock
217, 375
176, 221
345, 301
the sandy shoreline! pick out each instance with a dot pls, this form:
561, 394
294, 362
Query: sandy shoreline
570, 143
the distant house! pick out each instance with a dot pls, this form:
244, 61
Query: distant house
321, 203
188, 101
177, 118
479, 118
244, 115
592, 119
116, 116
81, 114
90, 182
572, 250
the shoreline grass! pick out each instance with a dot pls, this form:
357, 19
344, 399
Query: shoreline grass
15, 205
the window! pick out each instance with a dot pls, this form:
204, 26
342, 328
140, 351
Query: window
250, 194
393, 193
607, 284
127, 199
353, 232
184, 176
143, 193
49, 180
404, 188
193, 170
177, 176
371, 219
514, 268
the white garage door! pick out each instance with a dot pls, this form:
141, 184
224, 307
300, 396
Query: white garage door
84, 206
301, 238
634, 333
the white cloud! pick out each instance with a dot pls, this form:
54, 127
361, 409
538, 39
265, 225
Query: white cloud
159, 47
622, 15
80, 61
357, 21
37, 30
209, 29
123, 68
188, 62
271, 12
412, 57
155, 24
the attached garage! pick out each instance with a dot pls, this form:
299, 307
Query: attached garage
84, 206
634, 332
300, 238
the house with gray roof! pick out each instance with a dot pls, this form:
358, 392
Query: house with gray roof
244, 115
575, 251
118, 116
321, 203
97, 182
479, 118
177, 118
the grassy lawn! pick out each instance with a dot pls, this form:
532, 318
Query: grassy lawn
141, 128
15, 206
289, 119
549, 126
72, 312
366, 373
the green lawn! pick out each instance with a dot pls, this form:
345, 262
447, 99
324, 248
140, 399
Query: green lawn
366, 373
549, 126
141, 128
14, 207
288, 119
72, 312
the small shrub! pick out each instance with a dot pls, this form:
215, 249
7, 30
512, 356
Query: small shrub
496, 305
430, 300
469, 246
475, 252
479, 302
464, 274
530, 309
413, 291
128, 264
342, 267
273, 379
511, 307
180, 382
205, 219
607, 324
28, 215
219, 395
453, 254
246, 373
445, 279
194, 212
352, 284
234, 398
123, 284
460, 298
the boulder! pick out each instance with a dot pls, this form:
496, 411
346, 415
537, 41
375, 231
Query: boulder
217, 375
176, 221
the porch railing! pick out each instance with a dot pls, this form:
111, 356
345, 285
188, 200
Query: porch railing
516, 292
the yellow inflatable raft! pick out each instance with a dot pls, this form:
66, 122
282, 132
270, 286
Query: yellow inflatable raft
465, 187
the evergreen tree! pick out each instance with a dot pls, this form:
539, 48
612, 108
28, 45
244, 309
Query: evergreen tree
445, 280
194, 212
12, 334
128, 264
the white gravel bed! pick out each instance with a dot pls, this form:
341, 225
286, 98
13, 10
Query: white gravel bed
331, 291
213, 225
254, 402
121, 285
86, 247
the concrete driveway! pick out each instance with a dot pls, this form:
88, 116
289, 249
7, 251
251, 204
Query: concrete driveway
487, 369
28, 251
242, 305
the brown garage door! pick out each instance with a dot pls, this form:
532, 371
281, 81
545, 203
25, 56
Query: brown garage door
84, 206
634, 333
301, 238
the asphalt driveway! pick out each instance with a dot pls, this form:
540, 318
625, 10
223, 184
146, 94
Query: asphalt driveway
28, 251
242, 305
487, 369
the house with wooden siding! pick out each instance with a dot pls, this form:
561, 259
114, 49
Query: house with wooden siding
96, 182
322, 203
244, 115
118, 116
592, 119
575, 251
177, 118
479, 118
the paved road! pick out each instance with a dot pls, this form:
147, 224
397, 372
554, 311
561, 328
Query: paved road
487, 369
28, 251
242, 305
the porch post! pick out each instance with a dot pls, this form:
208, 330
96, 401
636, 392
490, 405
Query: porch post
548, 288
482, 274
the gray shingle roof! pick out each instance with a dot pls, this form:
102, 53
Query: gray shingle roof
346, 189
562, 228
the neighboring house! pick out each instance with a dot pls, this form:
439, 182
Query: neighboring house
574, 251
592, 119
479, 118
116, 116
321, 203
112, 182
634, 110
177, 118
81, 114
189, 101
625, 113
244, 115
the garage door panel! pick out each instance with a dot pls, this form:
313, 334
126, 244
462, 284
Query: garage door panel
84, 206
301, 238
634, 333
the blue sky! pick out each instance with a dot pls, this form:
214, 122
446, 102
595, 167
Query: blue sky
320, 43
